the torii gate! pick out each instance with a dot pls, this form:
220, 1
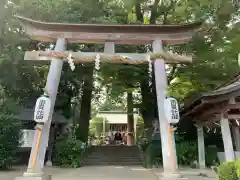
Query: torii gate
109, 35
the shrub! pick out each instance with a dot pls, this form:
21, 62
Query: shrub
96, 126
9, 132
69, 153
187, 153
153, 154
144, 145
211, 156
227, 171
9, 140
237, 164
140, 131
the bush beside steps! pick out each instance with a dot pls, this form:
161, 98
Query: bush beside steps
229, 170
69, 153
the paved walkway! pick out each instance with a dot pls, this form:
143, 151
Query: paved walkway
104, 172
89, 173
192, 174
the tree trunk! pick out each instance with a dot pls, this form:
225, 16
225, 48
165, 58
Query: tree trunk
139, 13
154, 96
146, 107
155, 105
149, 99
85, 112
130, 124
154, 13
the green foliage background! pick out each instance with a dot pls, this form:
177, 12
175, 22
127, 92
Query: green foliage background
10, 132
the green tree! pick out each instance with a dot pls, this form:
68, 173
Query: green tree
10, 131
214, 49
97, 126
140, 130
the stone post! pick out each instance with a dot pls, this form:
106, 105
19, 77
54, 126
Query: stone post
227, 139
130, 119
236, 134
135, 128
174, 149
201, 147
161, 85
37, 156
109, 47
104, 128
50, 146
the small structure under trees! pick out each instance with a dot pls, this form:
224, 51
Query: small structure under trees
117, 122
219, 108
26, 117
59, 122
109, 35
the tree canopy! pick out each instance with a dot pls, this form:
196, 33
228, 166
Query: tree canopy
214, 48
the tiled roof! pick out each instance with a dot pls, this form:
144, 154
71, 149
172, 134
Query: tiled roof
228, 87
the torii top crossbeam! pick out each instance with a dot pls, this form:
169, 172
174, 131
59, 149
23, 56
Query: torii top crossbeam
100, 33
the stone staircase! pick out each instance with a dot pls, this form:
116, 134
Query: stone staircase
113, 156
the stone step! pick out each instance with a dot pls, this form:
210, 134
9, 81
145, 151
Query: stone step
111, 164
106, 156
112, 152
112, 159
113, 155
106, 148
116, 151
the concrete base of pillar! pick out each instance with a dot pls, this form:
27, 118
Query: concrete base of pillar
170, 176
34, 176
49, 164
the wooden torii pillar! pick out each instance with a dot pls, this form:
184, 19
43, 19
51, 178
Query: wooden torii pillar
63, 33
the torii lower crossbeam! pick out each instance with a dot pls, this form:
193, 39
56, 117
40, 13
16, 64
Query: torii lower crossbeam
115, 58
